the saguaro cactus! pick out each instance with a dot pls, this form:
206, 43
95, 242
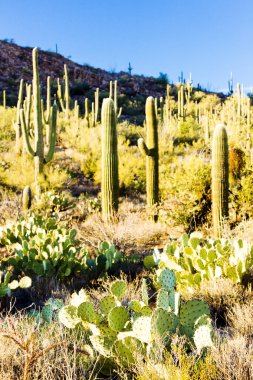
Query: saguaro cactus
220, 183
17, 124
4, 99
40, 158
110, 177
65, 103
26, 198
150, 151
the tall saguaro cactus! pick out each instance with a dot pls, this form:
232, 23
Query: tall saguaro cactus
110, 177
17, 124
150, 151
40, 158
64, 102
220, 182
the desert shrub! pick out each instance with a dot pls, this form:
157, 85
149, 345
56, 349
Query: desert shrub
185, 191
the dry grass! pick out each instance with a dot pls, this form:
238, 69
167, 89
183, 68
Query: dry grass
42, 352
240, 318
233, 359
132, 231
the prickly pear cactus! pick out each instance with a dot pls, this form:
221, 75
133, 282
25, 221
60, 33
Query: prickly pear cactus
203, 337
68, 316
118, 289
144, 292
118, 318
107, 304
162, 300
87, 312
193, 314
142, 329
166, 279
163, 323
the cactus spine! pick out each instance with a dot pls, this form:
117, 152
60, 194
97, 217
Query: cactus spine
110, 179
150, 151
40, 158
220, 183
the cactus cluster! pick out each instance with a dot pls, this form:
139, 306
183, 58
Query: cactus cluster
195, 260
42, 248
6, 285
120, 326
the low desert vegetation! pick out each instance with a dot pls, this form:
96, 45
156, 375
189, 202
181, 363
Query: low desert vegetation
125, 250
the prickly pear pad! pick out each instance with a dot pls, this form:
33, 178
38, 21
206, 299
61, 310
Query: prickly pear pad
202, 337
166, 279
86, 312
163, 322
192, 310
118, 289
107, 304
117, 318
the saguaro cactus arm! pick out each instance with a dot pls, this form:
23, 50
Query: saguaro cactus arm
25, 133
143, 147
52, 133
59, 94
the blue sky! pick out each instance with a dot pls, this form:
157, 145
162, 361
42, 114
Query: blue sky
209, 38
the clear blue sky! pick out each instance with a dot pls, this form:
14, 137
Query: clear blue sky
209, 38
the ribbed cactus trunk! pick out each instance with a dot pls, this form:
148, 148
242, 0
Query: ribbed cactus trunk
220, 182
17, 124
110, 177
38, 133
40, 158
26, 198
150, 150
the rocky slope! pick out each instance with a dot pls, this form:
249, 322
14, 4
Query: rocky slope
16, 63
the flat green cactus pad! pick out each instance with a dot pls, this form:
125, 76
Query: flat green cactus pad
47, 313
68, 316
163, 322
123, 352
192, 310
25, 282
146, 311
99, 344
107, 304
118, 289
86, 312
135, 306
166, 279
149, 262
163, 299
117, 318
142, 329
144, 292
